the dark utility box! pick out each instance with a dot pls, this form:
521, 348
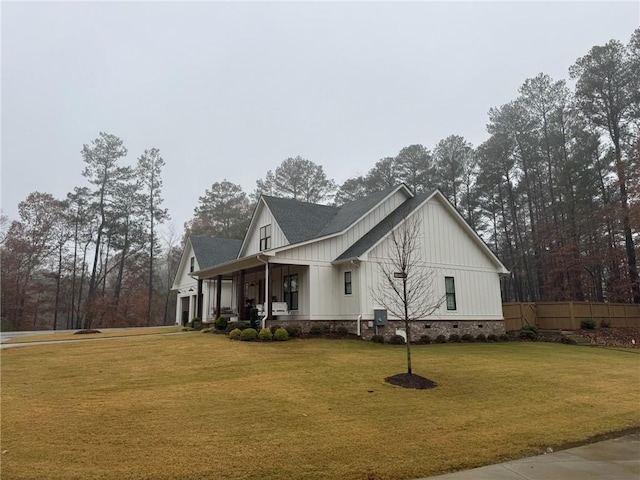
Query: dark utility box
380, 317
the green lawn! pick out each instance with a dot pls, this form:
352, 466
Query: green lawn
199, 406
57, 337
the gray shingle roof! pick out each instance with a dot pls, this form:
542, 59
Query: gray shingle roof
384, 227
213, 251
352, 211
302, 221
299, 221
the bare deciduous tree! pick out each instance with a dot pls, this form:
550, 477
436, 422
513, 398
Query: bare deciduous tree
406, 287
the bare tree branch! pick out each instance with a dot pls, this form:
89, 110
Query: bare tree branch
407, 286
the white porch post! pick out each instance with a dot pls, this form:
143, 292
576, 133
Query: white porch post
267, 300
205, 301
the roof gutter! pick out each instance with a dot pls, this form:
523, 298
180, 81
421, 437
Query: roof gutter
227, 267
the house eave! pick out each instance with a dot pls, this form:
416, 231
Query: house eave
261, 202
380, 240
347, 260
183, 261
472, 233
233, 265
437, 194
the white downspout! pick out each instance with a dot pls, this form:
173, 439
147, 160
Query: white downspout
263, 321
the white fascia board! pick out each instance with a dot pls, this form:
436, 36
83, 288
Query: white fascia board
458, 218
231, 266
260, 203
302, 244
355, 260
263, 204
286, 261
345, 260
474, 235
366, 253
183, 261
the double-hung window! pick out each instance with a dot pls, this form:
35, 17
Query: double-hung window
450, 289
265, 237
347, 283
291, 291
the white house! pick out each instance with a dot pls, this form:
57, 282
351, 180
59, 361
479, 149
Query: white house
311, 264
203, 252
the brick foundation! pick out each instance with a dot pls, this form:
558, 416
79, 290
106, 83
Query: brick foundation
433, 328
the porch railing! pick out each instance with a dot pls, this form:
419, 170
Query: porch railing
277, 308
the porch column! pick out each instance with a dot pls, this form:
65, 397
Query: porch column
218, 295
267, 289
240, 294
199, 300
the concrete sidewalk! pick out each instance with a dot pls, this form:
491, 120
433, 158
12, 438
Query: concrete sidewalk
617, 459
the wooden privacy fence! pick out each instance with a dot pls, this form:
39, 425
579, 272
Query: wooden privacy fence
568, 315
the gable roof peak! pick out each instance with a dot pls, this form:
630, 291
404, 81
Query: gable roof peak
302, 221
210, 251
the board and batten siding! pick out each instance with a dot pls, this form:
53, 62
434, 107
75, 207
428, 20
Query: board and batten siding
331, 248
252, 243
183, 282
449, 250
477, 292
329, 302
444, 240
184, 279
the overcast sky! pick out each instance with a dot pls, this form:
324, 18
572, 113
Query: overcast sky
229, 90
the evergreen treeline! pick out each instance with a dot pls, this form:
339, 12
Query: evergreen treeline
554, 191
92, 258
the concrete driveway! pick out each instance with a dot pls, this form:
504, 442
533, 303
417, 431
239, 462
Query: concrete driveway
616, 459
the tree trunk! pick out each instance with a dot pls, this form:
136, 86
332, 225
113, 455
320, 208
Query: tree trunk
123, 254
92, 281
626, 224
57, 301
73, 280
406, 321
82, 275
150, 265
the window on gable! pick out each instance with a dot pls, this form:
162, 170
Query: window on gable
265, 237
193, 264
347, 283
291, 291
450, 289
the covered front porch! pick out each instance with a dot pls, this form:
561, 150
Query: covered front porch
262, 288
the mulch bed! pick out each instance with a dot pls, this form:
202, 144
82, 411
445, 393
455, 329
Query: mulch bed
624, 337
82, 332
411, 380
612, 337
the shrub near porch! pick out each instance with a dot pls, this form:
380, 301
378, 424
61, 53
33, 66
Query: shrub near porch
298, 409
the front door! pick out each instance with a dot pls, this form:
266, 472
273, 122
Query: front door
185, 310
